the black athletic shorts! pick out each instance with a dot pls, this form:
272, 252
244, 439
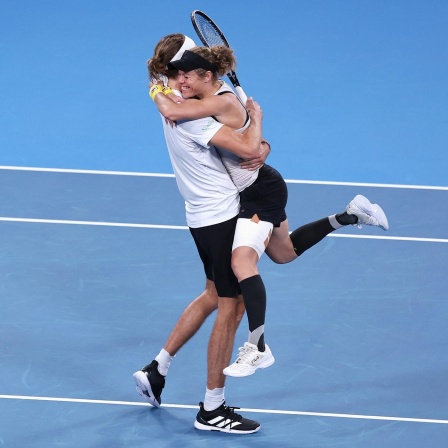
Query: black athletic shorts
214, 244
266, 197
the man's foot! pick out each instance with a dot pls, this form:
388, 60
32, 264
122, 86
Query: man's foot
149, 383
367, 213
249, 360
224, 419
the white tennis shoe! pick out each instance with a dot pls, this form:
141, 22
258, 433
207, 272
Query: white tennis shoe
249, 360
367, 213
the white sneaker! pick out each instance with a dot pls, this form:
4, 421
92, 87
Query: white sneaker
367, 213
249, 360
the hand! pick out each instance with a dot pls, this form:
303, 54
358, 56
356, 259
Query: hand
252, 164
170, 122
257, 162
154, 82
254, 109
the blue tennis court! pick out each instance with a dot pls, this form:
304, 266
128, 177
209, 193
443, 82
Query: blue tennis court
87, 274
96, 262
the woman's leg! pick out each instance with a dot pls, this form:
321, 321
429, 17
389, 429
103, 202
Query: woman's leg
251, 238
285, 247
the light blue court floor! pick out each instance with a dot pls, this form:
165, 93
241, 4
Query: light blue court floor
95, 269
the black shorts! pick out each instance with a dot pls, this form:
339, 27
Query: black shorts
266, 197
214, 244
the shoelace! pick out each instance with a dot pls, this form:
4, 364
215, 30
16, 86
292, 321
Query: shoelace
231, 414
244, 354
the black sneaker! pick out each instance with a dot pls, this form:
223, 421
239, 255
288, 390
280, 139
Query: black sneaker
224, 419
149, 383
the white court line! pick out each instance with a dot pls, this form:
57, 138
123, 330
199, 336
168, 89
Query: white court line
72, 171
159, 226
290, 181
264, 411
394, 238
92, 223
359, 184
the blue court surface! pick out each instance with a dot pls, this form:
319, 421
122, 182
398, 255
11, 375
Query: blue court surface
96, 262
96, 269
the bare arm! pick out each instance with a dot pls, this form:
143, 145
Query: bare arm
247, 145
257, 162
191, 109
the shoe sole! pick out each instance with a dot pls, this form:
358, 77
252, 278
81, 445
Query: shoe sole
383, 222
249, 372
202, 427
142, 384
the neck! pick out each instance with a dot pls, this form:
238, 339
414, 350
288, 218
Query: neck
212, 88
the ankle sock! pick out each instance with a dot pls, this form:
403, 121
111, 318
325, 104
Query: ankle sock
345, 219
164, 359
214, 398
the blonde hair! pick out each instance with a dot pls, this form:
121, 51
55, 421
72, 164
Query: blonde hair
164, 51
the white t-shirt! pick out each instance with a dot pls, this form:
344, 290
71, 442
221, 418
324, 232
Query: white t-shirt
209, 193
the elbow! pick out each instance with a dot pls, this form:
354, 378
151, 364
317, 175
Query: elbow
171, 116
167, 113
252, 152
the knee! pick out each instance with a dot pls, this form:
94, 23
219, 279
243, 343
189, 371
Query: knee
209, 299
280, 260
231, 308
232, 314
282, 257
237, 266
244, 263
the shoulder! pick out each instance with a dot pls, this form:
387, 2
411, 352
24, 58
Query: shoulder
199, 127
225, 87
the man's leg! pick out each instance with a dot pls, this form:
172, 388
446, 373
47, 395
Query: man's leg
213, 414
230, 313
192, 318
150, 380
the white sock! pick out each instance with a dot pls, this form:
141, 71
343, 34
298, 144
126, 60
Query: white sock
164, 359
214, 398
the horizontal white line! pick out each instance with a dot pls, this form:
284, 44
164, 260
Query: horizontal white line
159, 226
92, 223
72, 171
290, 181
264, 411
358, 184
394, 238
